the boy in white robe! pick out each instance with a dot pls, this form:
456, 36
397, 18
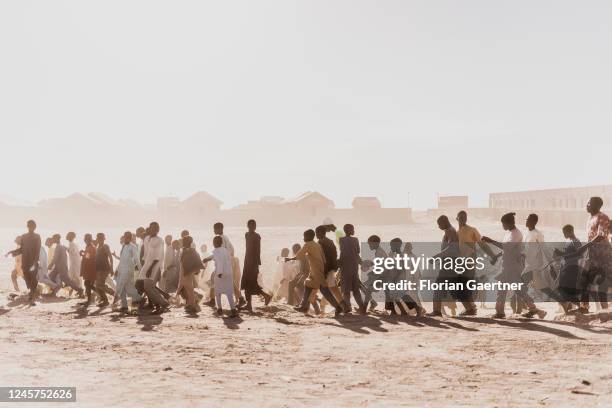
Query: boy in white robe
151, 270
43, 270
74, 256
18, 271
223, 278
286, 271
236, 275
537, 258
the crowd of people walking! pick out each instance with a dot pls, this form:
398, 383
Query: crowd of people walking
158, 273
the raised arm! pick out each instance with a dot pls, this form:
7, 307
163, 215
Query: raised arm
299, 256
578, 252
492, 242
14, 252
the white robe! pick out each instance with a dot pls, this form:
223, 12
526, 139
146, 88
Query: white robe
537, 255
153, 251
74, 257
223, 275
43, 275
285, 271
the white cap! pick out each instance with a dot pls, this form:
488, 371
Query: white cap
328, 221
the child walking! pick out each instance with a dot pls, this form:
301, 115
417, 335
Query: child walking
223, 279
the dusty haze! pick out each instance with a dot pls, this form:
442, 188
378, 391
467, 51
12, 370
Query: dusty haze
401, 100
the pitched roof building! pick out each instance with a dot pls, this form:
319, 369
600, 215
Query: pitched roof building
201, 202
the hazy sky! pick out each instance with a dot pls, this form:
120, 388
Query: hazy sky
396, 99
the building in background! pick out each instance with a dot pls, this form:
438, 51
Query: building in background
168, 208
558, 199
201, 204
201, 210
311, 203
74, 203
455, 202
95, 209
366, 203
168, 204
263, 202
556, 206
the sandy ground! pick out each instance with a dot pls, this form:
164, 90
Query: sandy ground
278, 357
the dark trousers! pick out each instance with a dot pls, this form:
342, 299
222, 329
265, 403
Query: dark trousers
466, 296
569, 283
367, 288
440, 296
521, 296
30, 275
329, 296
409, 301
560, 296
89, 286
355, 289
367, 294
248, 293
155, 295
596, 277
101, 288
570, 294
393, 297
406, 299
326, 294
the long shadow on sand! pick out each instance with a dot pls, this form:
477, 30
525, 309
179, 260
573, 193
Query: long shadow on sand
424, 321
18, 301
523, 325
582, 325
358, 324
81, 312
270, 312
53, 299
232, 323
23, 300
149, 321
